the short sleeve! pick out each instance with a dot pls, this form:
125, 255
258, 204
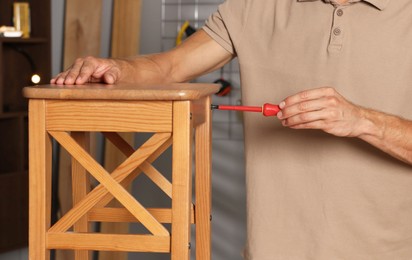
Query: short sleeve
225, 26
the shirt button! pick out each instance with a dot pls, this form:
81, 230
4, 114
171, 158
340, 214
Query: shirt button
339, 12
337, 31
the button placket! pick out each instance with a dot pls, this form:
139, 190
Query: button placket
337, 31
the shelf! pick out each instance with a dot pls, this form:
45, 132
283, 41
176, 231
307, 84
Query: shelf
23, 40
19, 59
9, 115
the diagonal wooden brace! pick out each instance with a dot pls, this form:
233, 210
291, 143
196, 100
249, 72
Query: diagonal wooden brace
109, 183
150, 171
126, 181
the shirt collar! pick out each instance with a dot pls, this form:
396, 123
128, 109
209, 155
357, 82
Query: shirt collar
380, 4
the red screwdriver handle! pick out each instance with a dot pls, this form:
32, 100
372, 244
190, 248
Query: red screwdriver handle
270, 109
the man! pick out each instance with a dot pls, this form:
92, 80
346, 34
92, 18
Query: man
329, 180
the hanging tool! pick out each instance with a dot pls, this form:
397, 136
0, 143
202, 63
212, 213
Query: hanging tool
225, 87
187, 30
267, 109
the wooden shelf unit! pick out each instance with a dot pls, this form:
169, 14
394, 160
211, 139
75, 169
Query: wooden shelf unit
15, 73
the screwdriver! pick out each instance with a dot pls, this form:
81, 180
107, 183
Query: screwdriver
267, 109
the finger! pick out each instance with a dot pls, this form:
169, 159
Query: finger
318, 124
103, 79
305, 118
105, 74
67, 76
70, 75
306, 106
103, 71
109, 72
328, 127
310, 95
84, 73
61, 77
55, 79
109, 78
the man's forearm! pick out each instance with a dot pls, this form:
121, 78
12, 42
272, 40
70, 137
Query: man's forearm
196, 56
388, 133
146, 69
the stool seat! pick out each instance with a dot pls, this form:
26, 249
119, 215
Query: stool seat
175, 114
125, 91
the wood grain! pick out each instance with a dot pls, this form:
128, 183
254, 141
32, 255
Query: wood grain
121, 173
126, 28
203, 184
39, 181
131, 243
125, 43
181, 180
82, 37
132, 116
82, 30
81, 186
122, 215
124, 91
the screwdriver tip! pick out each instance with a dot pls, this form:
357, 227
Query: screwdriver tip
214, 107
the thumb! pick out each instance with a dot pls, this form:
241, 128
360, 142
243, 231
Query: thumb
109, 78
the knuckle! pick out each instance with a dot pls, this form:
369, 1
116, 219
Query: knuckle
332, 100
304, 94
302, 106
334, 114
63, 74
303, 117
89, 59
71, 74
330, 91
79, 60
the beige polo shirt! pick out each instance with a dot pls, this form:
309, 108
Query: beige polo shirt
311, 195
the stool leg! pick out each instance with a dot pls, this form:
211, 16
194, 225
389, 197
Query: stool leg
40, 156
181, 180
203, 186
81, 187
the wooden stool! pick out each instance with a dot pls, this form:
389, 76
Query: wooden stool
172, 113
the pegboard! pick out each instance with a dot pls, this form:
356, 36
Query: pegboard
227, 125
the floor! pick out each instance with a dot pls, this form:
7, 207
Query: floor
21, 254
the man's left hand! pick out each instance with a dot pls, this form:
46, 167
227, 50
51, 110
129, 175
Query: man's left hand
321, 108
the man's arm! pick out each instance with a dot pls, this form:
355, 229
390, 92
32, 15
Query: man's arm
198, 55
327, 110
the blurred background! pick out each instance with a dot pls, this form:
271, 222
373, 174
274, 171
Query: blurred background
161, 21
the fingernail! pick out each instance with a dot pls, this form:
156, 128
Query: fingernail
280, 114
109, 79
59, 81
282, 104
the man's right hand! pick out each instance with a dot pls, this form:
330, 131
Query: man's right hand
89, 69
